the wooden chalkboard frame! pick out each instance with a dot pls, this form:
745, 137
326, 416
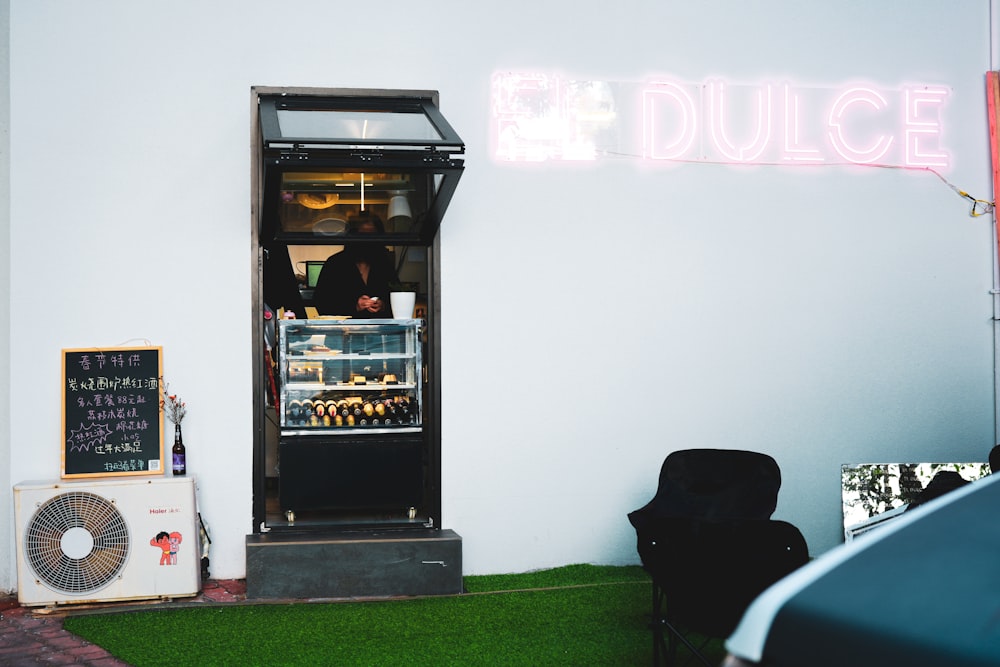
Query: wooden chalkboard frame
112, 413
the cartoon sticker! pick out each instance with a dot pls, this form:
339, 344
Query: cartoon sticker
169, 544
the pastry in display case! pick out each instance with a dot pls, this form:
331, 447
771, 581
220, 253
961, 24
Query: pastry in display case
349, 375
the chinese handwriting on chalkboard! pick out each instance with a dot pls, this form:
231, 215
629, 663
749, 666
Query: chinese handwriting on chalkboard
112, 419
107, 413
99, 360
130, 465
102, 382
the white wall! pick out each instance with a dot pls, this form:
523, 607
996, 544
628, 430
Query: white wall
824, 316
6, 527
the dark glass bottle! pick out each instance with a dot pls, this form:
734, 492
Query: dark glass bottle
179, 456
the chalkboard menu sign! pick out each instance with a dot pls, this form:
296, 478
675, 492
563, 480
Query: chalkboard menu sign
112, 421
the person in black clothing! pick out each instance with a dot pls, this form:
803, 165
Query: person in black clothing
944, 481
356, 281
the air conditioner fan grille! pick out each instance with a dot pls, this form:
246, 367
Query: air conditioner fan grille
76, 514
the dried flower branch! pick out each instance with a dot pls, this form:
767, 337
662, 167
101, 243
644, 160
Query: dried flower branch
171, 404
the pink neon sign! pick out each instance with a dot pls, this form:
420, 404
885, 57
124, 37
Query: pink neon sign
539, 117
759, 118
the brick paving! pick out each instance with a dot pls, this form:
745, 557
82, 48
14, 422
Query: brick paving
36, 636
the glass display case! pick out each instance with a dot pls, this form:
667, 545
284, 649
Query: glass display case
349, 376
351, 446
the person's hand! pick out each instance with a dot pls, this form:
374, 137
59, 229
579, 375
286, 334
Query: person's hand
372, 304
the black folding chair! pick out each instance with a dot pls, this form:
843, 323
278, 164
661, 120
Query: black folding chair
708, 542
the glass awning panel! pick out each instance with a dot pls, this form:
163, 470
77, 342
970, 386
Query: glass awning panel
357, 125
385, 123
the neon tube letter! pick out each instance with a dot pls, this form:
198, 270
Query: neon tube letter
921, 131
847, 99
657, 101
717, 131
793, 150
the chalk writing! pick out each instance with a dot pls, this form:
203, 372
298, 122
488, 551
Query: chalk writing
81, 439
130, 465
112, 422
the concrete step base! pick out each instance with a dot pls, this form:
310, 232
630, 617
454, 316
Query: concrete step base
373, 563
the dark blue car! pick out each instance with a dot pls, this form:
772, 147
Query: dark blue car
921, 591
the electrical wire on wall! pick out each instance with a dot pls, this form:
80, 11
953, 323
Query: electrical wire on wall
978, 207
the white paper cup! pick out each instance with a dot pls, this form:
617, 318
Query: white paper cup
402, 304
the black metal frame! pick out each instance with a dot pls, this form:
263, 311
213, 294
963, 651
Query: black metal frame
275, 155
666, 645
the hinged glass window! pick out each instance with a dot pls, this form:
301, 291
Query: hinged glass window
331, 160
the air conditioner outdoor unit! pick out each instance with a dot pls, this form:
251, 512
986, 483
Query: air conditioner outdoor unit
106, 540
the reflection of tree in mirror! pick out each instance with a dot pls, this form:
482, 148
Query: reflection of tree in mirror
868, 487
871, 489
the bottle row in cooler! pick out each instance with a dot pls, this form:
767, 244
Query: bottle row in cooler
351, 411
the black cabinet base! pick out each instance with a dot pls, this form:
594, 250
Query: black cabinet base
354, 564
373, 474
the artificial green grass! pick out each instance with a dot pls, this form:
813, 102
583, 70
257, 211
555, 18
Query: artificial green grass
568, 575
577, 615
